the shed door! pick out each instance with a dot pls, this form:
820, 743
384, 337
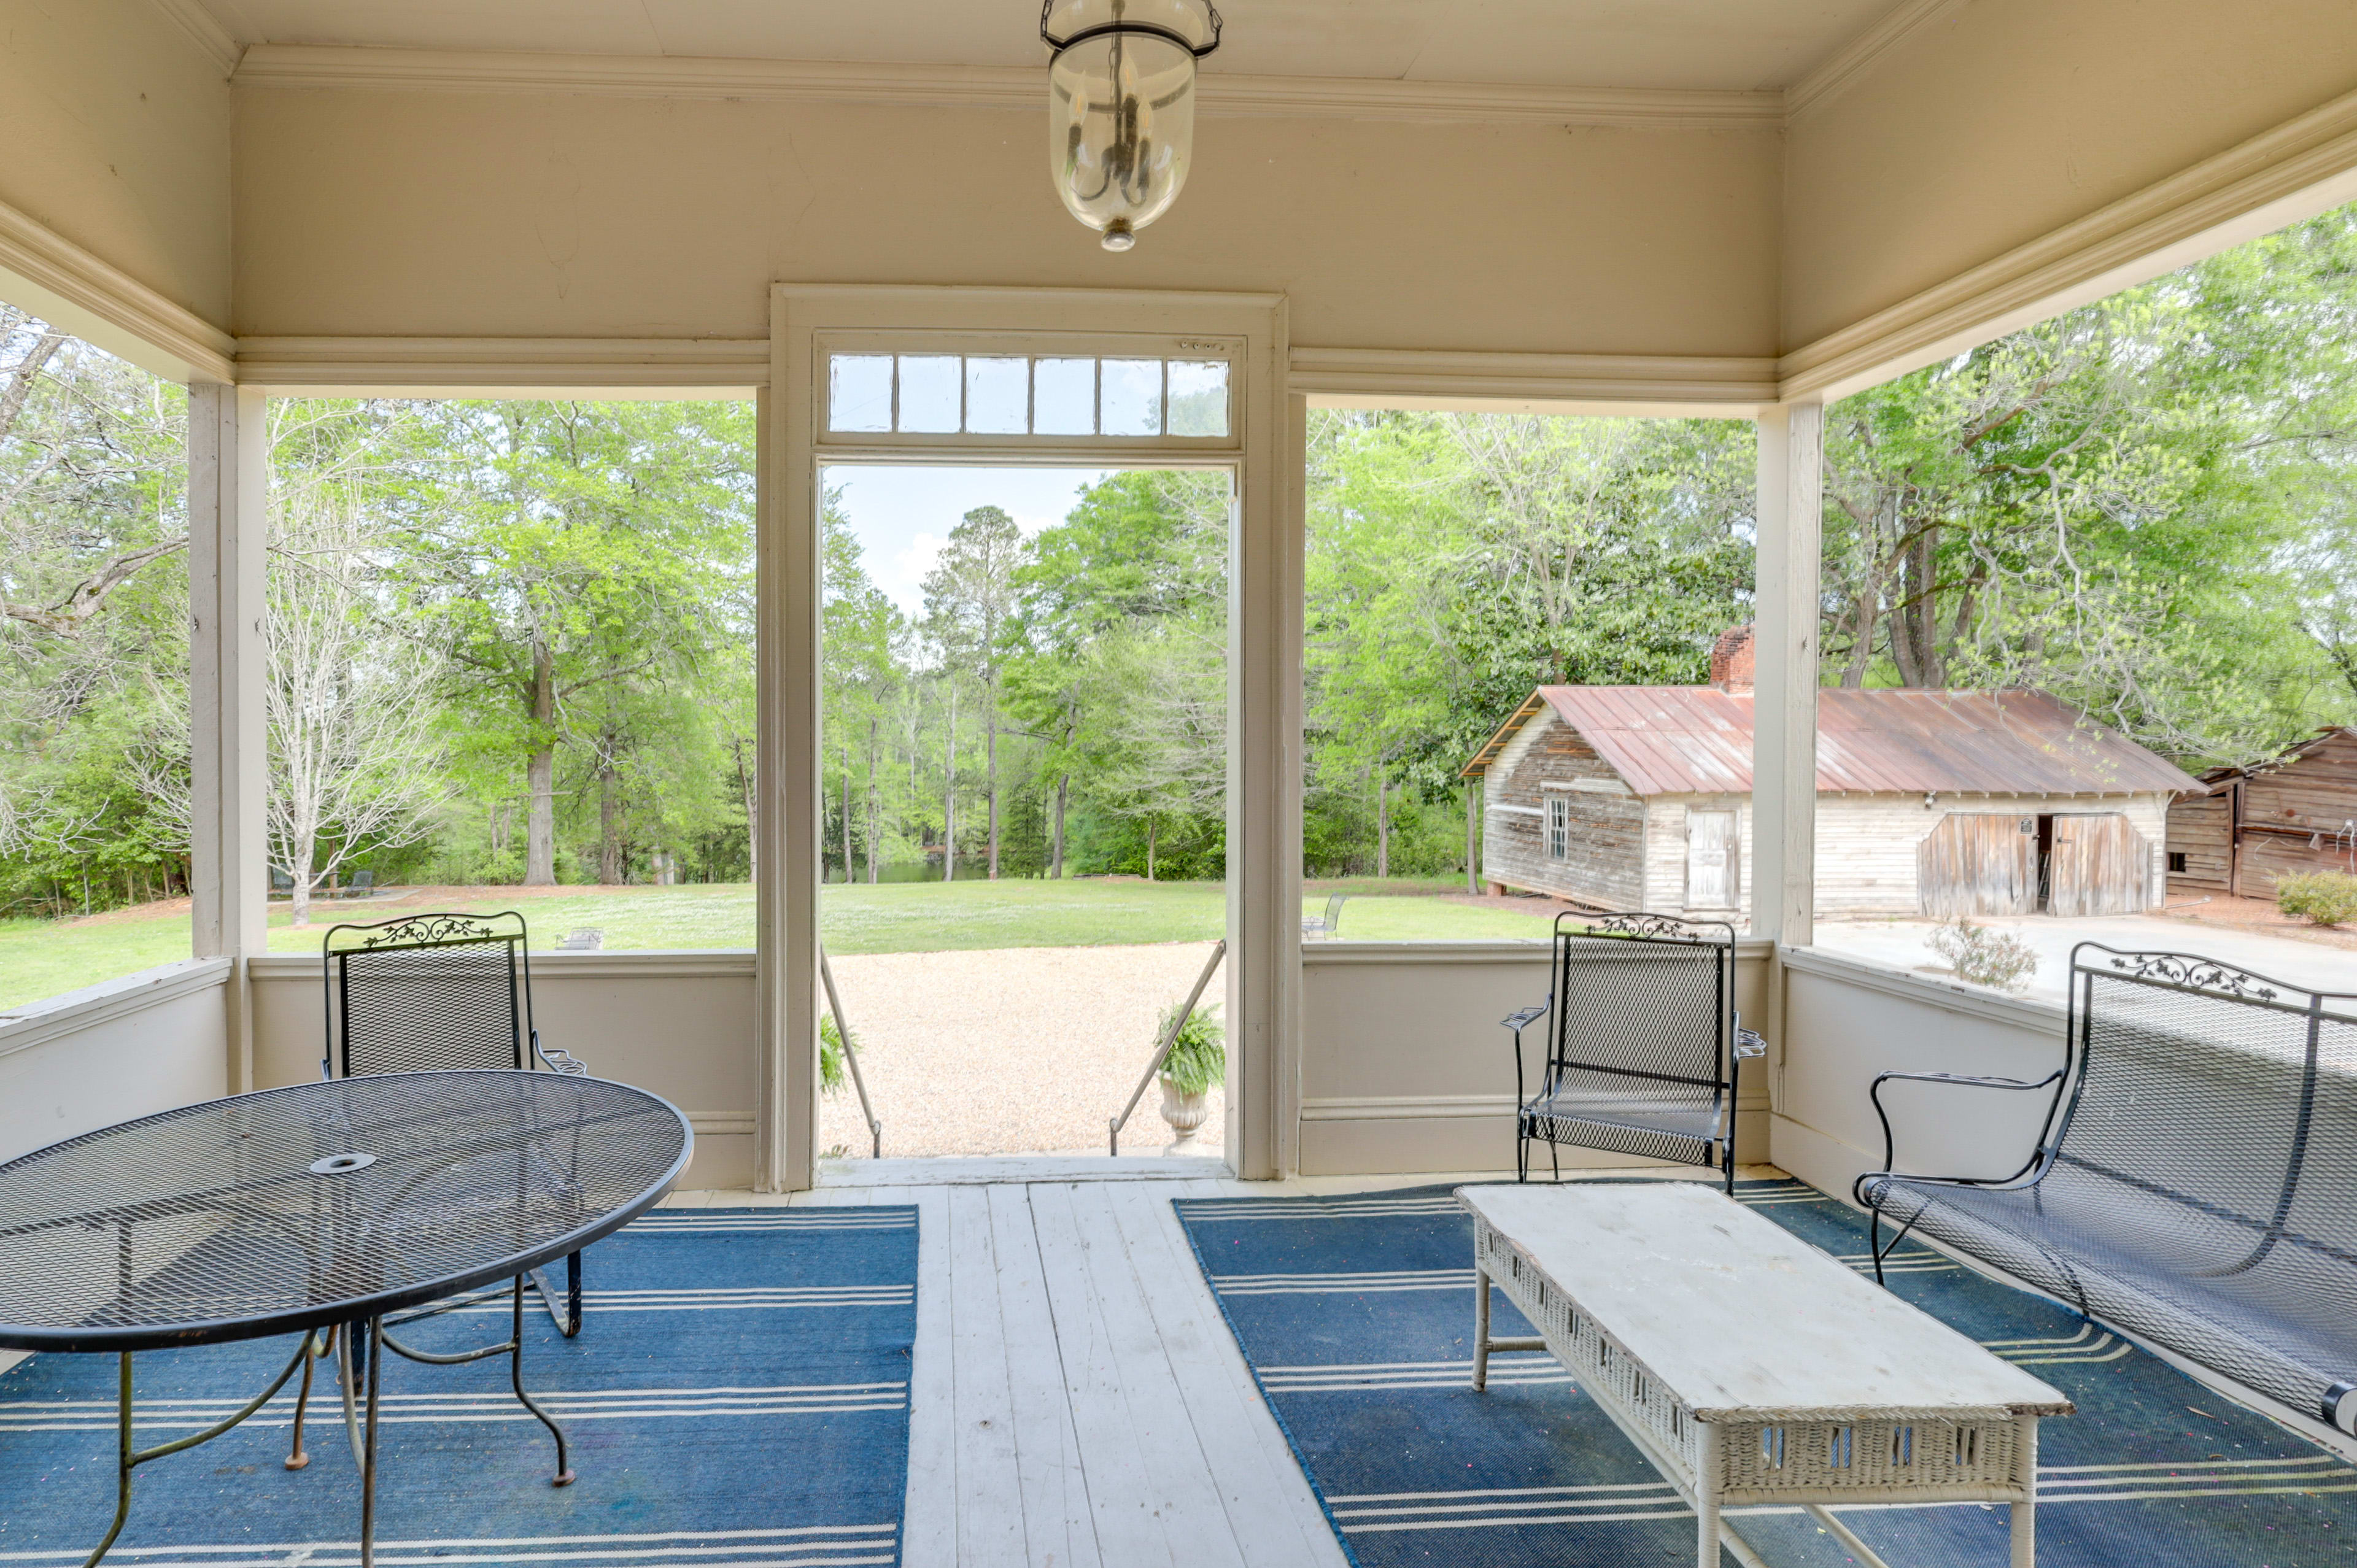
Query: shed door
1978, 863
1712, 847
2100, 866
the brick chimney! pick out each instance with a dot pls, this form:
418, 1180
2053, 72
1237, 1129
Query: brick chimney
1730, 660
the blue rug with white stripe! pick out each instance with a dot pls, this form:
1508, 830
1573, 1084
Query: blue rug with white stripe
1356, 1315
738, 1395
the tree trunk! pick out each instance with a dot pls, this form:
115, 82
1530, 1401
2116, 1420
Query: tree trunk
1472, 839
949, 797
609, 825
1382, 824
990, 777
305, 845
875, 807
752, 814
846, 815
540, 773
1064, 787
1149, 849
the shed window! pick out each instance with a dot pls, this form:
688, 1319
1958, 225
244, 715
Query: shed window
1558, 828
2177, 860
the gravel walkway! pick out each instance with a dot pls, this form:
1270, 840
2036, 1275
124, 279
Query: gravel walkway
1011, 1051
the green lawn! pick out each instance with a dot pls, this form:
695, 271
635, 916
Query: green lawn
43, 958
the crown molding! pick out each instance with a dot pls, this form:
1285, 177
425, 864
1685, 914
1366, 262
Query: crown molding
69, 287
434, 70
482, 367
1429, 379
2294, 171
1858, 56
204, 30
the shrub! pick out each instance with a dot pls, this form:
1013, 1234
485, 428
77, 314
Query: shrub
2320, 898
1199, 1057
1998, 960
830, 1054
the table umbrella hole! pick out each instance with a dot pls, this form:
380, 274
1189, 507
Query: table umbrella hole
337, 1164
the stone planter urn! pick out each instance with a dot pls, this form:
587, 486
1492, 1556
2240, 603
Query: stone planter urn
1185, 1112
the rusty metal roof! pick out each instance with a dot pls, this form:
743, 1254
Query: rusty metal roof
1665, 740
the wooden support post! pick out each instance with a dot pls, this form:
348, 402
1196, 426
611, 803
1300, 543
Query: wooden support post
229, 758
787, 784
1264, 852
1784, 731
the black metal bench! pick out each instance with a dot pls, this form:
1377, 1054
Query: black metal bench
1643, 1042
2194, 1183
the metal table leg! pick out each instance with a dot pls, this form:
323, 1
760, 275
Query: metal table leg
128, 1458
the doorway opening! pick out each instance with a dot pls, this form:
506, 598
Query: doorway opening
1024, 736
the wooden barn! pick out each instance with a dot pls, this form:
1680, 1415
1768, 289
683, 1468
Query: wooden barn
2244, 827
1930, 802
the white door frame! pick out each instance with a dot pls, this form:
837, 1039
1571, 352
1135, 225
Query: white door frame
1264, 841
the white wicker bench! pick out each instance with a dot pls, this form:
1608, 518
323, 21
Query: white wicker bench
1748, 1368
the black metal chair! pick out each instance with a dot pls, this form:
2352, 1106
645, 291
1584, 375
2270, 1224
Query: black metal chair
441, 993
2190, 1178
1643, 1043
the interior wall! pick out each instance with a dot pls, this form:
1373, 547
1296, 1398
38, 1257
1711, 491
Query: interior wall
115, 127
131, 1047
367, 214
1847, 1020
1403, 1067
2000, 121
677, 1024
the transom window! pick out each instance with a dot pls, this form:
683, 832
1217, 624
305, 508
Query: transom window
1026, 394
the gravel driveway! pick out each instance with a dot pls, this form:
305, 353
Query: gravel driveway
1011, 1051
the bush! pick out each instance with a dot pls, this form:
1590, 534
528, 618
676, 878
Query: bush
2320, 898
1199, 1057
830, 1054
1998, 960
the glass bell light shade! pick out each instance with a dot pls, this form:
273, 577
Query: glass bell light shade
1121, 106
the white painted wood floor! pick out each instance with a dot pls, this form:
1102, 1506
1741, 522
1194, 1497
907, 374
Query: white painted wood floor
1077, 1401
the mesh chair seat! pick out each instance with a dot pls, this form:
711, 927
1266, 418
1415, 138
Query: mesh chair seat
1642, 1040
1678, 1122
2275, 1315
2193, 1184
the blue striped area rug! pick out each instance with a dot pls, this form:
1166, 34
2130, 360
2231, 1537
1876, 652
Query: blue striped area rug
1356, 1315
737, 1397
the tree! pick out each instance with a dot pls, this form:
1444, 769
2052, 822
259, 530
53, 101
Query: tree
566, 546
356, 759
969, 597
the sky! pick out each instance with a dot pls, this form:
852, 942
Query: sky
902, 515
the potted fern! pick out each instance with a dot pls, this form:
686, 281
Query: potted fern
1198, 1059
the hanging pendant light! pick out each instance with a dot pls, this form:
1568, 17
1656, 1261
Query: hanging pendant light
1121, 106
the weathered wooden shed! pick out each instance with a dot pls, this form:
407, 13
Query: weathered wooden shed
2246, 826
1930, 803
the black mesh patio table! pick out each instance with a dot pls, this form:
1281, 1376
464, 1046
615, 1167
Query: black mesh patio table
327, 1208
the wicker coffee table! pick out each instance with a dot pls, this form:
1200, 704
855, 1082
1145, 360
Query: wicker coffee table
332, 1210
1749, 1368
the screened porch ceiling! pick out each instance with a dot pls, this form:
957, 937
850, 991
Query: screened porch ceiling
1715, 45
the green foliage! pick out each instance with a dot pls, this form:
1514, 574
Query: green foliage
832, 1051
2319, 897
1982, 956
1198, 1057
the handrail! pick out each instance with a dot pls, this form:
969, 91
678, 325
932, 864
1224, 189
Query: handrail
1219, 951
851, 1055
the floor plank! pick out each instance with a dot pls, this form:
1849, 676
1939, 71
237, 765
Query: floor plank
1126, 1496
928, 1532
1270, 1508
1058, 1530
1194, 1513
990, 1491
